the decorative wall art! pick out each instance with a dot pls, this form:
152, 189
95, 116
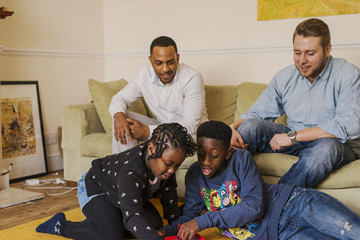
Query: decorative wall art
22, 132
275, 9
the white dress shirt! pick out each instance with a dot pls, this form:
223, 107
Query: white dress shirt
181, 101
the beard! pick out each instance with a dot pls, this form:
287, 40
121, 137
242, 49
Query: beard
315, 72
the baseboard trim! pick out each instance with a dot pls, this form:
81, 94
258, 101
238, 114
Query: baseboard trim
55, 163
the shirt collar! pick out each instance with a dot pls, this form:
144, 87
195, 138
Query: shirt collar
325, 73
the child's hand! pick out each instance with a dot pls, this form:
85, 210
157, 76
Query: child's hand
161, 233
188, 230
203, 212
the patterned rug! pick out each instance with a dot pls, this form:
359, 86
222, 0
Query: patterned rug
27, 231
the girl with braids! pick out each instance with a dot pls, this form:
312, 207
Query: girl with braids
114, 194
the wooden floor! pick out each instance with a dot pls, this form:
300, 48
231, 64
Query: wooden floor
49, 205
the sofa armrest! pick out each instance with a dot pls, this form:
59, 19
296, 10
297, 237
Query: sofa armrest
78, 121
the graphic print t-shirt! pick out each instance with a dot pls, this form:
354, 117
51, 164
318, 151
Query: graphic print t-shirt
225, 197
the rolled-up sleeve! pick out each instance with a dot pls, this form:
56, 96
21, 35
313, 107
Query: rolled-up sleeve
194, 104
121, 101
346, 123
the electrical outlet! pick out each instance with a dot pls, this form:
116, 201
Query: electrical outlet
51, 139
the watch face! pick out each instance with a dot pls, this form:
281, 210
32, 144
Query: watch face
291, 134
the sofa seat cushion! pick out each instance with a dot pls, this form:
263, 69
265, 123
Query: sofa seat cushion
96, 145
345, 177
274, 164
277, 164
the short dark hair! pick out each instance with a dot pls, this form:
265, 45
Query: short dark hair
314, 27
162, 41
215, 130
172, 135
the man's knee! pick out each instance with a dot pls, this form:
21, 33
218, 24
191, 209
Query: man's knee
325, 153
250, 125
329, 146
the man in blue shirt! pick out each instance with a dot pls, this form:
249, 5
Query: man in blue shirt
320, 96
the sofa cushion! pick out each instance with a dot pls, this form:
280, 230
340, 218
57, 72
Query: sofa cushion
355, 145
277, 164
274, 164
345, 177
96, 145
247, 94
102, 92
221, 103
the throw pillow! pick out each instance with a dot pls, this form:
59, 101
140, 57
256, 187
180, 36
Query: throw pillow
102, 92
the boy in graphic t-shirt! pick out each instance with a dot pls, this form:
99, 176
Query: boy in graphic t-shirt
224, 189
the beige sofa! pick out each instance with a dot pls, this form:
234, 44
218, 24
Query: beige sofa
87, 135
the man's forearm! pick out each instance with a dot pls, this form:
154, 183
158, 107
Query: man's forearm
311, 134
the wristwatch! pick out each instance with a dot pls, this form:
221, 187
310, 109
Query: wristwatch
292, 136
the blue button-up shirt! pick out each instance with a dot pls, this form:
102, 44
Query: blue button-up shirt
331, 102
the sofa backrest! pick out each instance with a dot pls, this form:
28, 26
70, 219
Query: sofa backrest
221, 102
247, 93
224, 103
227, 103
102, 93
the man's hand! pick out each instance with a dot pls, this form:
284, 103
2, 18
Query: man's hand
138, 130
121, 128
279, 141
188, 230
236, 140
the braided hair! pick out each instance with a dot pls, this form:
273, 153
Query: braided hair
172, 135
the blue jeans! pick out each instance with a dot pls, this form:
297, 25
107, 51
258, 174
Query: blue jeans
310, 214
82, 193
317, 159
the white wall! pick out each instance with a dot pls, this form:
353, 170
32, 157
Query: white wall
221, 39
63, 43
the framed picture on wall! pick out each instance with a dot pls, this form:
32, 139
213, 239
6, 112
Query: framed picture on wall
22, 134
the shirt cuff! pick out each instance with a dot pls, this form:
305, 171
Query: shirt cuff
152, 128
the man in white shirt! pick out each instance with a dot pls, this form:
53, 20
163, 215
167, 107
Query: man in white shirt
173, 92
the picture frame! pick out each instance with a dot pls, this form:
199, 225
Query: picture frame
22, 132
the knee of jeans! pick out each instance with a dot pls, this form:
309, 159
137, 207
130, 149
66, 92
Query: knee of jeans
249, 125
330, 145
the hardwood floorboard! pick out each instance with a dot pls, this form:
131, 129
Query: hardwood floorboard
49, 205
